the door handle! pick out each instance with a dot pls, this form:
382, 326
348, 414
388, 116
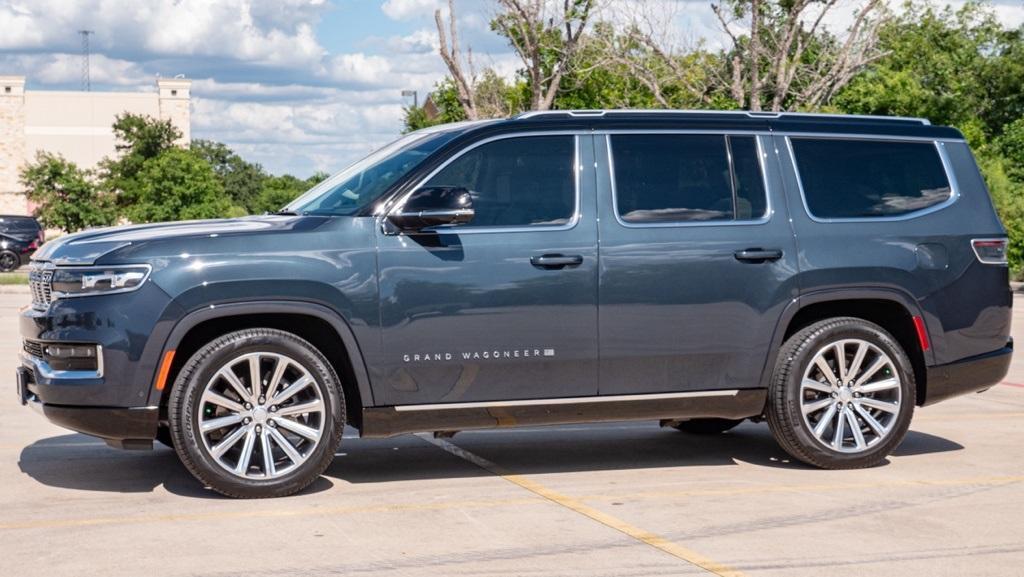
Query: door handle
757, 255
556, 261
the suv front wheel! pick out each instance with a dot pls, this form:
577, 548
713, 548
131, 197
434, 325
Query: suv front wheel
257, 413
842, 394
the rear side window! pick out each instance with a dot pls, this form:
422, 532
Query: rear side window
869, 178
523, 181
682, 178
19, 224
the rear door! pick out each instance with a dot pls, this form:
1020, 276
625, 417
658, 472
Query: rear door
697, 260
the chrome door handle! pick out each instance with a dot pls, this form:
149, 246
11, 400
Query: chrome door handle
556, 261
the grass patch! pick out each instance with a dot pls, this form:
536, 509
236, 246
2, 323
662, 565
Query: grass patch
9, 278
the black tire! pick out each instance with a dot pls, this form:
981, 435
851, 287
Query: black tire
785, 398
184, 406
707, 426
9, 261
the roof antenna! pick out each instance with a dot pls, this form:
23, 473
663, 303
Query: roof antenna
86, 83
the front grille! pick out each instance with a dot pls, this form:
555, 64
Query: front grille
41, 285
34, 348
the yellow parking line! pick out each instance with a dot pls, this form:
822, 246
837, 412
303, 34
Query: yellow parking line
646, 537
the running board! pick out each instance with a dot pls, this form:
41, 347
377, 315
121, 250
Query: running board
381, 422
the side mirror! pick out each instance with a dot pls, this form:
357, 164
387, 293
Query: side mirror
431, 207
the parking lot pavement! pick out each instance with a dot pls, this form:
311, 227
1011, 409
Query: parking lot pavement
621, 499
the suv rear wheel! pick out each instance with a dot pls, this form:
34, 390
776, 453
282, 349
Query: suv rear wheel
842, 394
257, 413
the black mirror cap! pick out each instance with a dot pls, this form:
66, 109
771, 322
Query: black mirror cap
431, 207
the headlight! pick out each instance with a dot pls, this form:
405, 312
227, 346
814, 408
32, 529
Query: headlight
97, 280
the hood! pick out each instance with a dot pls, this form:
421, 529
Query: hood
86, 247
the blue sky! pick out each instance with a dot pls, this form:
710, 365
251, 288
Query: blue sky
296, 85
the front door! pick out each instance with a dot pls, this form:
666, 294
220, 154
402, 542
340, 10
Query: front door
504, 307
697, 261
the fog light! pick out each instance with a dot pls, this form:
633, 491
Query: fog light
72, 357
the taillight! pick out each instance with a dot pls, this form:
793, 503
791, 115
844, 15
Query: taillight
990, 250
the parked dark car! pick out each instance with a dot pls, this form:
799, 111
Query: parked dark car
826, 274
20, 236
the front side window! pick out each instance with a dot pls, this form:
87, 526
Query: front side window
665, 178
520, 181
843, 178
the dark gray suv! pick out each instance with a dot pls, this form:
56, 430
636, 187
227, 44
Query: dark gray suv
826, 274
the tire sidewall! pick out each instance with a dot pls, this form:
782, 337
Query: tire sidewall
201, 368
16, 259
804, 354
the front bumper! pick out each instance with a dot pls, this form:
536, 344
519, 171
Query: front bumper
970, 375
124, 428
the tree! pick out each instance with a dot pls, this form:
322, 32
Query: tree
280, 190
782, 57
177, 185
67, 197
139, 138
460, 68
241, 180
546, 39
957, 67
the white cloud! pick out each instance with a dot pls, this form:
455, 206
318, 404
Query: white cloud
405, 9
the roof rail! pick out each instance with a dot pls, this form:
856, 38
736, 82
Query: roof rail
602, 113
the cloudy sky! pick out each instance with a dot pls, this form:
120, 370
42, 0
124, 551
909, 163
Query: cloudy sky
297, 85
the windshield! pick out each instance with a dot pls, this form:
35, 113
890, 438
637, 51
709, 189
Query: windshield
361, 183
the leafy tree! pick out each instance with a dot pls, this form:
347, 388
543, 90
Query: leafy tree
280, 190
242, 180
178, 184
139, 138
67, 197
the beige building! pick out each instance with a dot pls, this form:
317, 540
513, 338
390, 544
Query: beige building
76, 125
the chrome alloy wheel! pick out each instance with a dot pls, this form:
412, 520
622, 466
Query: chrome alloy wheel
850, 395
261, 415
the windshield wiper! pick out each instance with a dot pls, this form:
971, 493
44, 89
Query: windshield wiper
284, 212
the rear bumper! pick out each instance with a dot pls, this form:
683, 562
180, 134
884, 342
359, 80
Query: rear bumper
970, 375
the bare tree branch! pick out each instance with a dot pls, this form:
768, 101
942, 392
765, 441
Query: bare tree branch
464, 84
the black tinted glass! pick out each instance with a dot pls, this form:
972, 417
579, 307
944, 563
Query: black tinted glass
18, 224
527, 181
686, 177
869, 178
751, 201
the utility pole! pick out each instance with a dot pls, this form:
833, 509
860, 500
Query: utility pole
86, 83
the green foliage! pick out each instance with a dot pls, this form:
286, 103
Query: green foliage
177, 185
68, 199
280, 190
139, 138
241, 180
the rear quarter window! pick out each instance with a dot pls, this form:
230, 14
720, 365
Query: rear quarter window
844, 178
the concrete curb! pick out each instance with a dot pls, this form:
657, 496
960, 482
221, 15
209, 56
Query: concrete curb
14, 289
1017, 287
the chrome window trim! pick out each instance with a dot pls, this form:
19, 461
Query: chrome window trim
940, 148
769, 210
577, 169
44, 369
567, 400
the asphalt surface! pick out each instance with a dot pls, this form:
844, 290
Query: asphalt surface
619, 499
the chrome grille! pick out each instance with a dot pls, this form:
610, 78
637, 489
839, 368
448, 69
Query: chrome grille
34, 348
40, 283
